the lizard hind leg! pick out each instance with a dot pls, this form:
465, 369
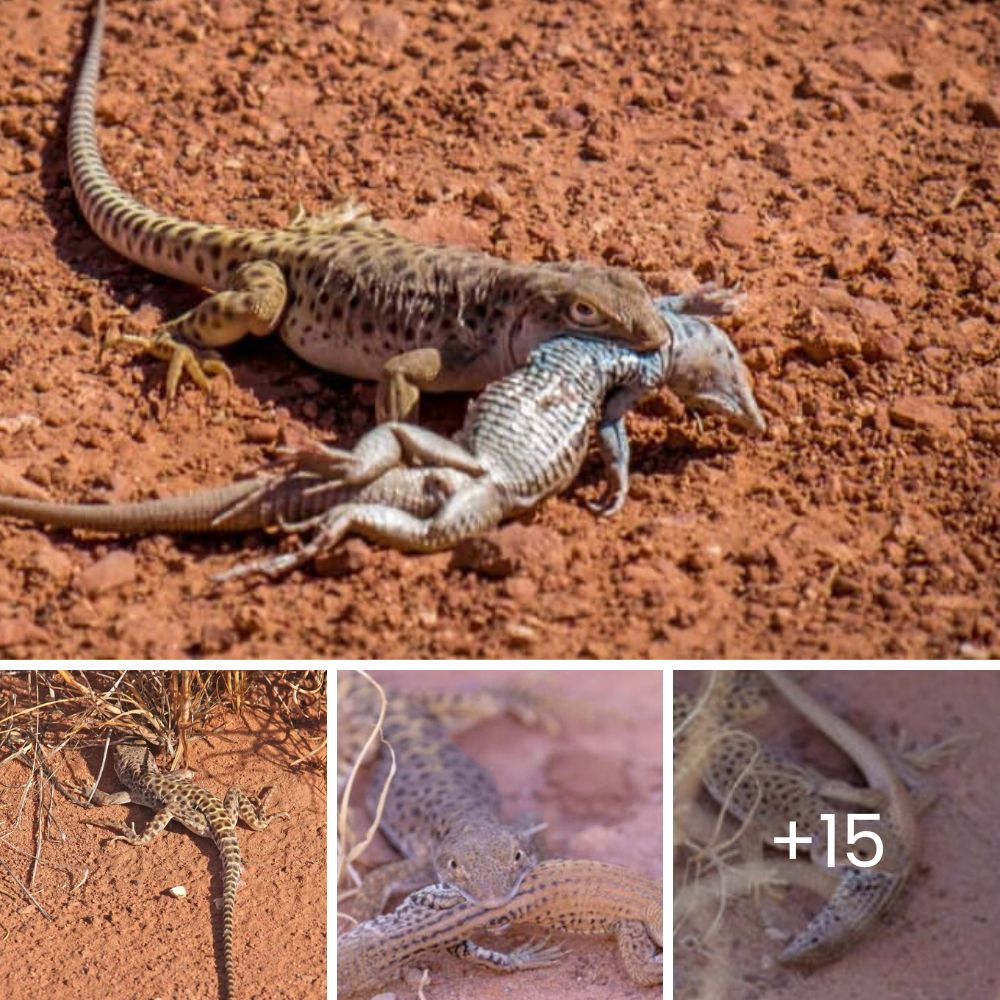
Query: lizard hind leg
253, 303
154, 828
239, 805
642, 959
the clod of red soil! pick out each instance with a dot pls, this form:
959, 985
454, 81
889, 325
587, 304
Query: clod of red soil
838, 161
116, 569
511, 549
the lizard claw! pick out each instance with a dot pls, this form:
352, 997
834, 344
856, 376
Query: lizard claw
711, 299
609, 503
536, 954
322, 460
181, 360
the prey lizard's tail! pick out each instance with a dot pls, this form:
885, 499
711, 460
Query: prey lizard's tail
202, 511
246, 505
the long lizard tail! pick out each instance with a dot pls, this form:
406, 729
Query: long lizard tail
162, 243
232, 865
200, 511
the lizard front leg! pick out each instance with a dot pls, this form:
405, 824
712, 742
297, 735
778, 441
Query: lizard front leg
252, 303
613, 441
402, 379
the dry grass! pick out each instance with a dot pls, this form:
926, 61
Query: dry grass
347, 851
166, 707
44, 712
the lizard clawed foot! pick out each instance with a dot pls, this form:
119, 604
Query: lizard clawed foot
273, 567
322, 460
711, 299
536, 954
609, 503
181, 360
127, 833
259, 803
612, 498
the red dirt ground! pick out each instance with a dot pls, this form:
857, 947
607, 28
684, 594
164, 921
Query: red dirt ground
598, 783
118, 933
839, 160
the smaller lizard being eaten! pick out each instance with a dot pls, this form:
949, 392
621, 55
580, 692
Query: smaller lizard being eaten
764, 792
579, 897
524, 439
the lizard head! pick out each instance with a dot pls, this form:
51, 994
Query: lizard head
485, 863
587, 299
706, 372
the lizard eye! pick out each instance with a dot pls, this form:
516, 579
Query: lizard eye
584, 314
453, 865
518, 854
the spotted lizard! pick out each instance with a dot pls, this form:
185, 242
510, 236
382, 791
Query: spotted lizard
525, 438
175, 796
442, 810
863, 893
764, 791
580, 897
346, 293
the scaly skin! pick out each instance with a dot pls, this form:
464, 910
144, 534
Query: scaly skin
580, 897
863, 893
175, 796
347, 294
442, 810
524, 439
765, 792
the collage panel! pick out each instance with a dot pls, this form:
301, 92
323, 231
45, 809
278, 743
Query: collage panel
519, 842
162, 834
831, 833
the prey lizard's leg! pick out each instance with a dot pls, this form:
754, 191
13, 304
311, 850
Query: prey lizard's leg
385, 881
333, 219
253, 303
470, 511
530, 955
383, 448
642, 959
402, 379
708, 299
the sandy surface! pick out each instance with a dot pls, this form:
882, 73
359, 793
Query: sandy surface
837, 160
121, 935
938, 941
599, 786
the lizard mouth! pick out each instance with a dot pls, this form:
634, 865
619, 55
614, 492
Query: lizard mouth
490, 902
